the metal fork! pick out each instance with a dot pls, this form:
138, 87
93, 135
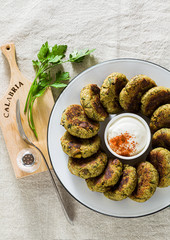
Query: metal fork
25, 138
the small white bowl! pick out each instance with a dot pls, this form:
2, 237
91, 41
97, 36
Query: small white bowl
148, 140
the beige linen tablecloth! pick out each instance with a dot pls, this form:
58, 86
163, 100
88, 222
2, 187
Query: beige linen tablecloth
29, 209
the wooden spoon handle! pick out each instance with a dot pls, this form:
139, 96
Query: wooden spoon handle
9, 52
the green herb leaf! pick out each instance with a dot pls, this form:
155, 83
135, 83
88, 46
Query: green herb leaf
57, 53
55, 59
42, 55
58, 85
59, 50
78, 56
62, 76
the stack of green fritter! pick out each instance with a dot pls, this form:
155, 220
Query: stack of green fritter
156, 103
81, 143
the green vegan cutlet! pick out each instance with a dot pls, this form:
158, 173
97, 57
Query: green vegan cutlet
160, 158
77, 124
90, 101
89, 167
160, 118
147, 182
154, 98
109, 92
79, 148
161, 138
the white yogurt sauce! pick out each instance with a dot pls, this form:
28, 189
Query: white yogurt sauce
134, 128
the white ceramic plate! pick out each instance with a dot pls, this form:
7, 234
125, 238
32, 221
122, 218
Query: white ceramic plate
76, 186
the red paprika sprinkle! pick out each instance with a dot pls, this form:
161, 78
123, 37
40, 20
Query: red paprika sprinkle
123, 144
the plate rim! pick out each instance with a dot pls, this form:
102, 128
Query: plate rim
107, 61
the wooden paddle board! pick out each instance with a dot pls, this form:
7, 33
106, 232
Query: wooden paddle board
18, 89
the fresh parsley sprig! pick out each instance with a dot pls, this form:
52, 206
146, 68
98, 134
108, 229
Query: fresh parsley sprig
48, 58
